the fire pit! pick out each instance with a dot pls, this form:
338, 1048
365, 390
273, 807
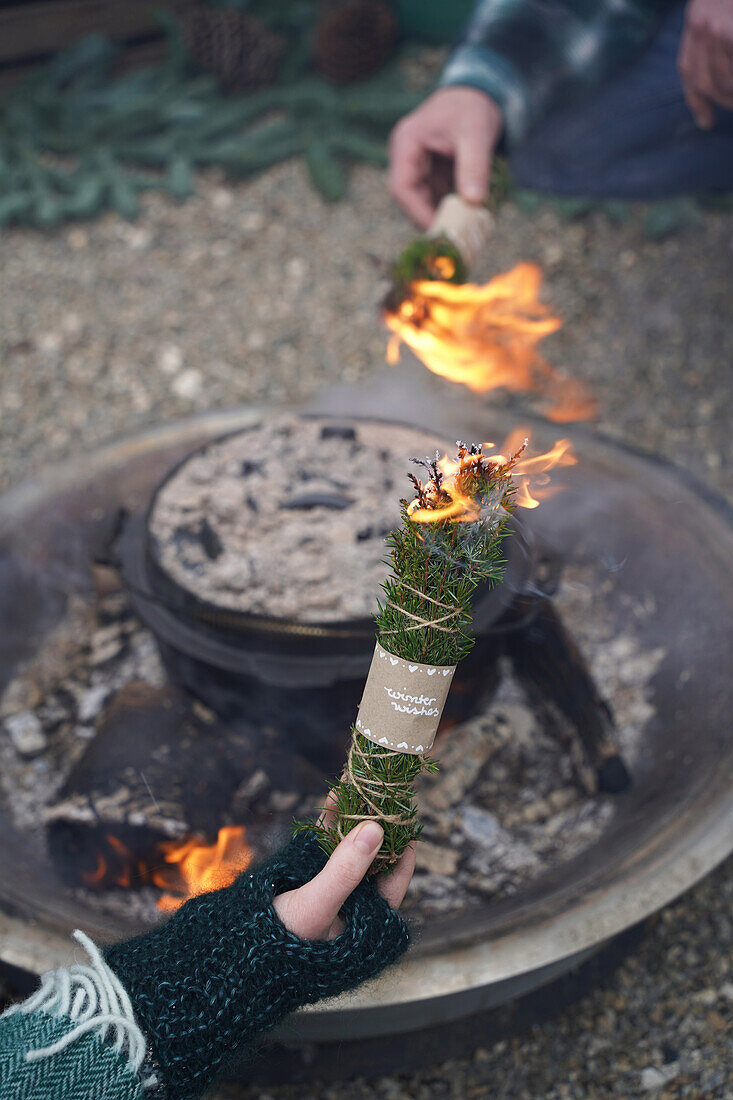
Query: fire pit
286, 639
524, 872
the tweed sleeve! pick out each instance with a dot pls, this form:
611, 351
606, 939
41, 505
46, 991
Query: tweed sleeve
224, 968
532, 55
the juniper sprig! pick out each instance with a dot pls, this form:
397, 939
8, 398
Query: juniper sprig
449, 541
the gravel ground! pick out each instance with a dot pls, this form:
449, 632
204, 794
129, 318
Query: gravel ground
260, 291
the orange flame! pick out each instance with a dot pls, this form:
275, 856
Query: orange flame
486, 336
530, 474
197, 868
192, 867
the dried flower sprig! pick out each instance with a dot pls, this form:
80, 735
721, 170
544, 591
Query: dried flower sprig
449, 541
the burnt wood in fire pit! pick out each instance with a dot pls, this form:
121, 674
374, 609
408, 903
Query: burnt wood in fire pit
550, 667
160, 767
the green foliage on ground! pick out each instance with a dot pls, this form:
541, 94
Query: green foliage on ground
76, 139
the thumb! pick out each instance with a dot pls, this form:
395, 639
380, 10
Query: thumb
472, 166
317, 904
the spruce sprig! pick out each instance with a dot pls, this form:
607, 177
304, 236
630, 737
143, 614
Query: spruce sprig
444, 560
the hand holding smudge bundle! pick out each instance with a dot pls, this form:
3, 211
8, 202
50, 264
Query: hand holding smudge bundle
449, 541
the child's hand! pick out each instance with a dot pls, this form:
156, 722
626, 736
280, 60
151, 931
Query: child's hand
312, 911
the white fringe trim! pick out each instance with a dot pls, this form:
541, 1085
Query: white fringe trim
94, 998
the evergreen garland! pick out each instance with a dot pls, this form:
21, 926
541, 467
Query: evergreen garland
444, 560
76, 139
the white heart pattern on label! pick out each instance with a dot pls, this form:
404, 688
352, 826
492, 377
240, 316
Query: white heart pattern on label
412, 668
394, 660
419, 748
432, 671
383, 741
402, 745
446, 672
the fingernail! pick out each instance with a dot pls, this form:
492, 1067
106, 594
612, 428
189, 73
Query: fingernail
368, 836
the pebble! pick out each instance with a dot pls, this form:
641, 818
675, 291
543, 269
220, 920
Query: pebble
653, 1078
188, 384
91, 702
170, 359
26, 733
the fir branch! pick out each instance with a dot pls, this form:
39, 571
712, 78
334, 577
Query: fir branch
432, 563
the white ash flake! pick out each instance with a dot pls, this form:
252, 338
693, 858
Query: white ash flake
295, 514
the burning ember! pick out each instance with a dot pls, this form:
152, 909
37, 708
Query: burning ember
192, 867
195, 868
528, 472
487, 336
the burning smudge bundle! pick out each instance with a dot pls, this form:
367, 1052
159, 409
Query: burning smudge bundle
483, 335
449, 541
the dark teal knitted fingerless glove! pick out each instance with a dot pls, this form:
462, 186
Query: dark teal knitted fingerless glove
223, 968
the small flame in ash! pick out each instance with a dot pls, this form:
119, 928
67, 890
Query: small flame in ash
529, 474
195, 868
487, 336
191, 866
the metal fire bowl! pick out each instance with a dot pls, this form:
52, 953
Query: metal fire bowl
668, 543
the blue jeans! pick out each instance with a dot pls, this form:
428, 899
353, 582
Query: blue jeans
633, 138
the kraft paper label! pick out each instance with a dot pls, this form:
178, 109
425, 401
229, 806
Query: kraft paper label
402, 702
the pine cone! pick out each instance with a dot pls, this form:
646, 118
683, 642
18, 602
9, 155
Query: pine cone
355, 39
233, 46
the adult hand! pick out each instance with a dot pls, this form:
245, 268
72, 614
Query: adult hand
705, 59
446, 143
312, 911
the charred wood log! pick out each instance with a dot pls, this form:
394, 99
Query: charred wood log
162, 767
548, 664
159, 768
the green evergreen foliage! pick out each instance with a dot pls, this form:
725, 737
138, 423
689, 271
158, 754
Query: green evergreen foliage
76, 139
422, 257
441, 561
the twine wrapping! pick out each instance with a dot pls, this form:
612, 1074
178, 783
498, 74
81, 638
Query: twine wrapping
424, 624
380, 718
369, 788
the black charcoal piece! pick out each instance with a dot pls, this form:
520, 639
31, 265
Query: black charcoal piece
212, 544
338, 431
249, 467
318, 500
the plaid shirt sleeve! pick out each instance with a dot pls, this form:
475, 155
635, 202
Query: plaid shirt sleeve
531, 55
